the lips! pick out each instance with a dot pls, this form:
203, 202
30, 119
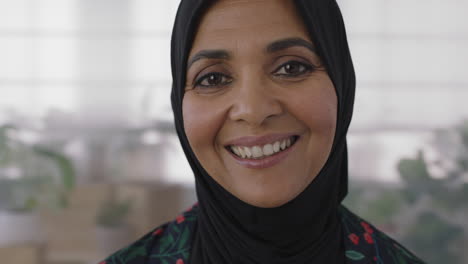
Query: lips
250, 141
261, 151
264, 161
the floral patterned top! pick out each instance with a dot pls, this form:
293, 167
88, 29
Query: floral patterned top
170, 243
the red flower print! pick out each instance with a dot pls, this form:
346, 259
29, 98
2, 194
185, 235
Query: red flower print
375, 258
354, 238
367, 227
180, 219
180, 261
368, 238
102, 262
158, 232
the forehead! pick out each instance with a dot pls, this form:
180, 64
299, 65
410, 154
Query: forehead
229, 21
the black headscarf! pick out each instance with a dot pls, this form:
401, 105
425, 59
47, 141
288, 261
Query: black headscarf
306, 229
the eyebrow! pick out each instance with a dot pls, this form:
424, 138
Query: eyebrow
209, 54
275, 46
286, 43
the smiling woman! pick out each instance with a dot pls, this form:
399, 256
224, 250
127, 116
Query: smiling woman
262, 96
247, 106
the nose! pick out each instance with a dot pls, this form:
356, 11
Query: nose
254, 102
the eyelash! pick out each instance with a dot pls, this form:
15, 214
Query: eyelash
306, 68
199, 81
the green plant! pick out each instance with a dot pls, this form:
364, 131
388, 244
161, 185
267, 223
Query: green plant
113, 213
427, 213
440, 223
434, 237
32, 175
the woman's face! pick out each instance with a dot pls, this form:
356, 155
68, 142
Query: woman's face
259, 108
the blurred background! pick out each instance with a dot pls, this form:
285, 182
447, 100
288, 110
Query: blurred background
89, 159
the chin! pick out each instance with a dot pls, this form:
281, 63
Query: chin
267, 200
270, 204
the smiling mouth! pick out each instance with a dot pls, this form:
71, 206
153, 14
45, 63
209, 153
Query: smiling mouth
262, 151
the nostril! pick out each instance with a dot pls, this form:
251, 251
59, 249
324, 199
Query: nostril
254, 104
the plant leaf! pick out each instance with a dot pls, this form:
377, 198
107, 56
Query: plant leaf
354, 255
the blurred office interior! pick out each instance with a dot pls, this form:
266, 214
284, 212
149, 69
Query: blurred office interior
85, 119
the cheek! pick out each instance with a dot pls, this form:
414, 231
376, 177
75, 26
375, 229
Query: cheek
201, 125
318, 110
322, 119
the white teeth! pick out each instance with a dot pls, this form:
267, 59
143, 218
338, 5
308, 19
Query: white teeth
236, 150
283, 145
241, 152
259, 151
268, 150
276, 146
248, 152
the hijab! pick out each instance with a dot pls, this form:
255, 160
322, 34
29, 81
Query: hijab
306, 229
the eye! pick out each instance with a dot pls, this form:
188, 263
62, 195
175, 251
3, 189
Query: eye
213, 79
293, 69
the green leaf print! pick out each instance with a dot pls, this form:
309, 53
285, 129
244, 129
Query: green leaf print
136, 252
165, 243
354, 255
183, 238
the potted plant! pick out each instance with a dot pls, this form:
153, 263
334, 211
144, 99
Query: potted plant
430, 206
443, 199
31, 176
112, 229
